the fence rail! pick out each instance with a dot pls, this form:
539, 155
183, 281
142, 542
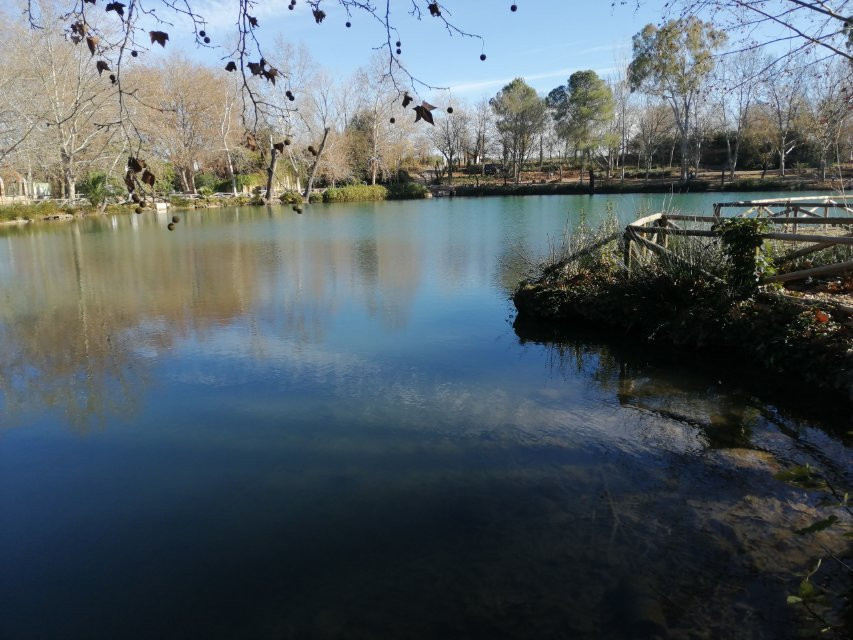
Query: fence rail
650, 234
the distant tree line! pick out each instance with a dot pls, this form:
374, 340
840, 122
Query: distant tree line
680, 102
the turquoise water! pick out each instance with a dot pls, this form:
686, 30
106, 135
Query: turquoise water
265, 425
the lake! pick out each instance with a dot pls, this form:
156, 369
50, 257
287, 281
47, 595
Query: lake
267, 425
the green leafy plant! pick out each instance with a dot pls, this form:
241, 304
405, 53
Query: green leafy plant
741, 238
290, 197
356, 193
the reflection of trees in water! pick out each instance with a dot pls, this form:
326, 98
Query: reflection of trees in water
82, 310
85, 311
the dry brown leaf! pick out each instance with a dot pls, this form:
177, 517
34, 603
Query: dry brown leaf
118, 7
160, 37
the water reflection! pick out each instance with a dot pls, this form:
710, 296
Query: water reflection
323, 426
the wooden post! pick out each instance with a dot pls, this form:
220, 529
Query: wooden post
662, 238
626, 254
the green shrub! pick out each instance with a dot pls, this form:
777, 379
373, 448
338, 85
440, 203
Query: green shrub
243, 180
290, 197
205, 192
407, 191
223, 186
180, 202
97, 188
741, 239
356, 193
206, 181
315, 197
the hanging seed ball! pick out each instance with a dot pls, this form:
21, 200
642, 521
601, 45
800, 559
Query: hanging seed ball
399, 51
290, 7
513, 7
134, 53
202, 33
176, 219
287, 141
398, 44
349, 24
392, 120
449, 109
482, 56
171, 226
206, 40
138, 210
113, 78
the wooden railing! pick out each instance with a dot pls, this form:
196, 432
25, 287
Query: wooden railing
794, 221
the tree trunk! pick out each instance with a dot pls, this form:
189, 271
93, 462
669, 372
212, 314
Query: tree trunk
271, 175
541, 151
68, 185
685, 148
733, 162
728, 157
313, 172
231, 174
183, 174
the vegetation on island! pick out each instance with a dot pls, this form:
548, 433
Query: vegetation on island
704, 296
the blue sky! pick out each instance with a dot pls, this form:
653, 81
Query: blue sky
544, 41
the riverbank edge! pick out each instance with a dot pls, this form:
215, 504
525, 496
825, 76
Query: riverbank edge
24, 213
616, 188
790, 345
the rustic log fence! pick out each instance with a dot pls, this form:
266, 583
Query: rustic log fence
805, 223
796, 220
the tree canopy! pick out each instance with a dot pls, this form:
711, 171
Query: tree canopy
671, 62
520, 116
582, 108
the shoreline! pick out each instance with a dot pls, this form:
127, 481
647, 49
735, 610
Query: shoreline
618, 188
42, 212
776, 339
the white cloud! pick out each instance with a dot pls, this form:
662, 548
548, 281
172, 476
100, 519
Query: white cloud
469, 87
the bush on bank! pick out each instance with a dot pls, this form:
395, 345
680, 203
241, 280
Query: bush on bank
689, 304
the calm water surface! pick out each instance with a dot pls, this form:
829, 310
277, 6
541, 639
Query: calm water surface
265, 425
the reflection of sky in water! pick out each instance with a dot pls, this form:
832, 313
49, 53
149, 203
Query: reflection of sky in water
264, 425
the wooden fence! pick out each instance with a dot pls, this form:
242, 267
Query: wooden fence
803, 223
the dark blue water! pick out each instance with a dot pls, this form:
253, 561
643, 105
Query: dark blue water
264, 425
